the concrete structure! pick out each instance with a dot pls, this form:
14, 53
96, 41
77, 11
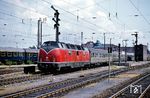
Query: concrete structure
141, 52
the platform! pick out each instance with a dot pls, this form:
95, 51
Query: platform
132, 63
17, 66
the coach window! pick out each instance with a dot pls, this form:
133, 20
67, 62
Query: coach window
29, 54
9, 54
102, 55
3, 54
15, 54
99, 54
34, 55
20, 54
92, 54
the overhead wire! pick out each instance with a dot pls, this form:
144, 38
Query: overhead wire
25, 8
36, 11
86, 21
74, 15
140, 12
119, 22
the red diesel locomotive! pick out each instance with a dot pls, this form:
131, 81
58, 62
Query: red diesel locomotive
57, 55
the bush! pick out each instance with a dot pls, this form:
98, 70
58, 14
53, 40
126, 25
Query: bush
8, 62
29, 62
14, 63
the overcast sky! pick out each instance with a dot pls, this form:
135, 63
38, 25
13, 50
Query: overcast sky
18, 21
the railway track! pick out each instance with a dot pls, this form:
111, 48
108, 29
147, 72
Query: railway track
62, 87
58, 88
138, 89
8, 71
19, 79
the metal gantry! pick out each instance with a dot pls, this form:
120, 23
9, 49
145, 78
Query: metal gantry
56, 25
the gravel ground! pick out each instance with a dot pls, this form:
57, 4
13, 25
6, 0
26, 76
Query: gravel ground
29, 84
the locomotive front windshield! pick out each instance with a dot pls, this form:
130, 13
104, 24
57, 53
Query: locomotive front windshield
47, 46
50, 44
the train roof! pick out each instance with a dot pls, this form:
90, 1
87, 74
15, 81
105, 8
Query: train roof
11, 49
97, 50
32, 50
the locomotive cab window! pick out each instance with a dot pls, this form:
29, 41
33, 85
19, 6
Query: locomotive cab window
50, 44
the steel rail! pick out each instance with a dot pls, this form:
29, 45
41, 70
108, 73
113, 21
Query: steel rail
19, 79
66, 82
57, 84
144, 92
124, 89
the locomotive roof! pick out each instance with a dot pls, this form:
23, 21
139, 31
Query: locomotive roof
68, 45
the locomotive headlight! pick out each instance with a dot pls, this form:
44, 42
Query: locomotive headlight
53, 59
40, 59
46, 58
